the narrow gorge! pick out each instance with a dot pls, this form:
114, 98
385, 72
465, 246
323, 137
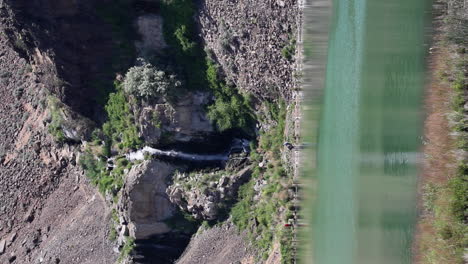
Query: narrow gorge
147, 131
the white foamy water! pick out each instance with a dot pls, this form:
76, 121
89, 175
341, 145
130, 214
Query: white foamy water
140, 155
241, 145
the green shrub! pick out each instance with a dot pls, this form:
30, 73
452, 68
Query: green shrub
230, 109
234, 112
146, 81
96, 170
183, 222
93, 167
182, 36
55, 126
289, 50
446, 232
120, 127
458, 102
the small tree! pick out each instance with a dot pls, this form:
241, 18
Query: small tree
146, 81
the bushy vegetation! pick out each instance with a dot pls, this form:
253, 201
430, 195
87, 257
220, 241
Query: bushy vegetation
230, 109
120, 128
95, 166
289, 49
459, 188
145, 81
260, 212
56, 119
119, 132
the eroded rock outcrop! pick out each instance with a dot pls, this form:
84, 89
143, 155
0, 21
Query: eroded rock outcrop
144, 204
204, 195
184, 120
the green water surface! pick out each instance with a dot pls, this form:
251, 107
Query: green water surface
369, 133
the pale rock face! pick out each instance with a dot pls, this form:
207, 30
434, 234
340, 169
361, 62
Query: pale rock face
149, 127
150, 28
144, 202
190, 120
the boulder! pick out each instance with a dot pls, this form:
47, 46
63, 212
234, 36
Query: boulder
144, 204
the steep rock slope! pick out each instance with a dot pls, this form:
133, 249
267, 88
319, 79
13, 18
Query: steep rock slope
75, 40
254, 41
48, 211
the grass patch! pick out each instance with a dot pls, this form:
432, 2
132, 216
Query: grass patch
180, 33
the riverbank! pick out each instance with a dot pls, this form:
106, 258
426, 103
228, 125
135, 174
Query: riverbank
441, 229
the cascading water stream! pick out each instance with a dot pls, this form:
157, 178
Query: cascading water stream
238, 145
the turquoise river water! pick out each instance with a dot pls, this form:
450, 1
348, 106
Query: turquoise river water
369, 133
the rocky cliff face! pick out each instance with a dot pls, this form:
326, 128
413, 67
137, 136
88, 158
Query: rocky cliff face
48, 211
252, 40
71, 38
47, 207
144, 204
